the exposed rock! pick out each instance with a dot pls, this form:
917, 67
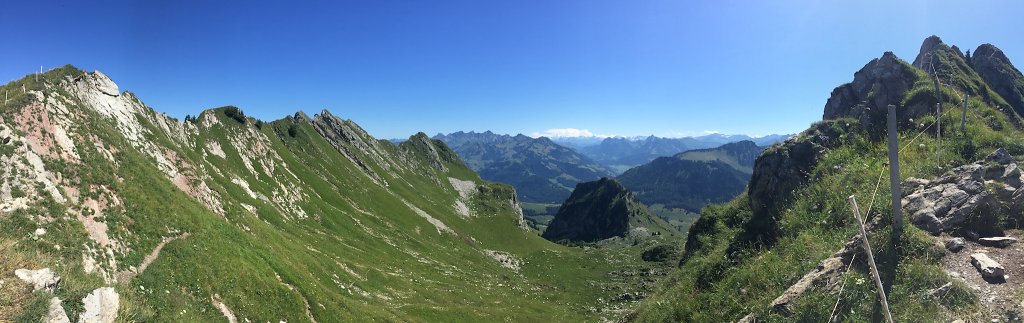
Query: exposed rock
955, 244
600, 210
825, 275
100, 306
782, 168
103, 83
881, 82
995, 68
989, 269
929, 47
947, 202
56, 313
40, 279
998, 242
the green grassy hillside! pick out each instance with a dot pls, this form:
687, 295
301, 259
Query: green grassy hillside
742, 255
299, 219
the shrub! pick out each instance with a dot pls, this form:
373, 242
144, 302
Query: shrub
234, 113
293, 130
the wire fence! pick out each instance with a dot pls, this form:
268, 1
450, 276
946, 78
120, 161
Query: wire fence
940, 114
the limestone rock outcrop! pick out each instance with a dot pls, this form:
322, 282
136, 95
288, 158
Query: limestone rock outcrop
44, 278
100, 306
973, 190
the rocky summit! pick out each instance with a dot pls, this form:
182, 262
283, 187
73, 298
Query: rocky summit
603, 209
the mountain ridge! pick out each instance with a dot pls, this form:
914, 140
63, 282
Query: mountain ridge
297, 219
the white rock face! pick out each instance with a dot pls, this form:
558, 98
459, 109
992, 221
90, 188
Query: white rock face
987, 267
104, 84
56, 314
100, 306
40, 279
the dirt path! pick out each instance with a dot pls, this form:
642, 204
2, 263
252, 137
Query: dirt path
1003, 299
126, 276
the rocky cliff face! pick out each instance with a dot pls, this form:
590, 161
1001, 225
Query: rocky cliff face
881, 82
783, 168
601, 210
995, 68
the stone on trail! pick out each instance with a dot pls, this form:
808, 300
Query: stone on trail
989, 269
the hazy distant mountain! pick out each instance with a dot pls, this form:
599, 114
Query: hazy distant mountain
619, 154
540, 170
577, 142
692, 179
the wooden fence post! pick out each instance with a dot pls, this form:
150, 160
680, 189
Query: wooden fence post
963, 117
938, 134
871, 259
894, 173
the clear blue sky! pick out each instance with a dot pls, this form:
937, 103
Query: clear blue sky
398, 67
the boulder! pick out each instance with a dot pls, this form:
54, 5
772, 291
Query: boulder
989, 269
955, 244
100, 306
998, 242
40, 279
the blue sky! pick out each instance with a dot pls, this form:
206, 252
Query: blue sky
628, 68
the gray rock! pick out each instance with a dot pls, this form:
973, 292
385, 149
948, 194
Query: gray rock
989, 269
947, 202
56, 313
881, 82
100, 306
955, 244
40, 279
998, 242
971, 235
995, 68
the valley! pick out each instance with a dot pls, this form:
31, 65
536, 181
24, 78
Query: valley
591, 161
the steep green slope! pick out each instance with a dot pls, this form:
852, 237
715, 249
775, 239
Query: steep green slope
678, 187
741, 257
604, 209
299, 219
540, 170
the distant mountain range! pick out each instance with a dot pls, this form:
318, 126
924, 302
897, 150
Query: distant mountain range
620, 153
544, 172
540, 170
692, 179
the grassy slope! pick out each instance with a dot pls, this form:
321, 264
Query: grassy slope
714, 285
360, 255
